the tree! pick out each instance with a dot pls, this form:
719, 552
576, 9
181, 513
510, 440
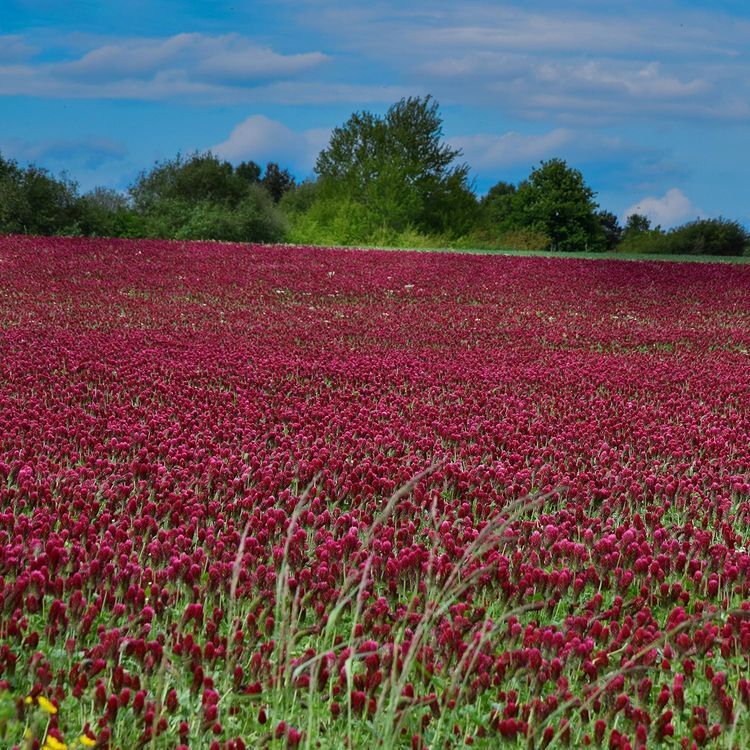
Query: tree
104, 212
555, 200
249, 171
639, 237
191, 180
14, 208
32, 201
496, 208
277, 181
398, 167
300, 198
636, 223
202, 197
611, 229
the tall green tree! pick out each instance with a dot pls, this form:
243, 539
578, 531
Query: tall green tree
636, 223
497, 207
104, 212
249, 171
556, 200
611, 229
277, 181
14, 207
32, 201
399, 169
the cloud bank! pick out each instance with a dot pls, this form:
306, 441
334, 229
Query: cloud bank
204, 68
89, 152
669, 209
261, 138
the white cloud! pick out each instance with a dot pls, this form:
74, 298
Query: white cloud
229, 57
587, 64
261, 139
317, 92
14, 48
200, 67
89, 152
485, 151
669, 209
632, 80
503, 27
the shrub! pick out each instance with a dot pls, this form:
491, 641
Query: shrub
648, 242
255, 219
103, 213
523, 238
701, 237
334, 221
710, 237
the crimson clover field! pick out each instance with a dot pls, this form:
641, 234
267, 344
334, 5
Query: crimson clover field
299, 497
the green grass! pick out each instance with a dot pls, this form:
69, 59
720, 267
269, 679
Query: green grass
735, 259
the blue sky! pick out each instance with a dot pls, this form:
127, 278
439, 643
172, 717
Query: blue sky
649, 99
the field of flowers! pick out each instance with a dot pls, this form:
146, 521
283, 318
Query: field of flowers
296, 497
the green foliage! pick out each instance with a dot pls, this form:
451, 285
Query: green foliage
556, 201
249, 171
636, 223
300, 198
399, 169
254, 218
554, 205
334, 221
51, 202
103, 212
192, 180
523, 238
34, 202
277, 181
611, 230
497, 207
14, 208
720, 237
202, 197
386, 180
646, 241
710, 237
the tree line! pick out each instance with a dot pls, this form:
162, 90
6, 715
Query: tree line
381, 180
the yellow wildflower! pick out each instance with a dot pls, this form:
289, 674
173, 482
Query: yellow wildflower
46, 705
28, 700
86, 741
52, 743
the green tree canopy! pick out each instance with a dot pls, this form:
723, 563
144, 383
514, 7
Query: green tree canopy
636, 223
497, 207
248, 170
710, 237
35, 202
203, 197
191, 180
277, 181
611, 229
399, 169
556, 200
